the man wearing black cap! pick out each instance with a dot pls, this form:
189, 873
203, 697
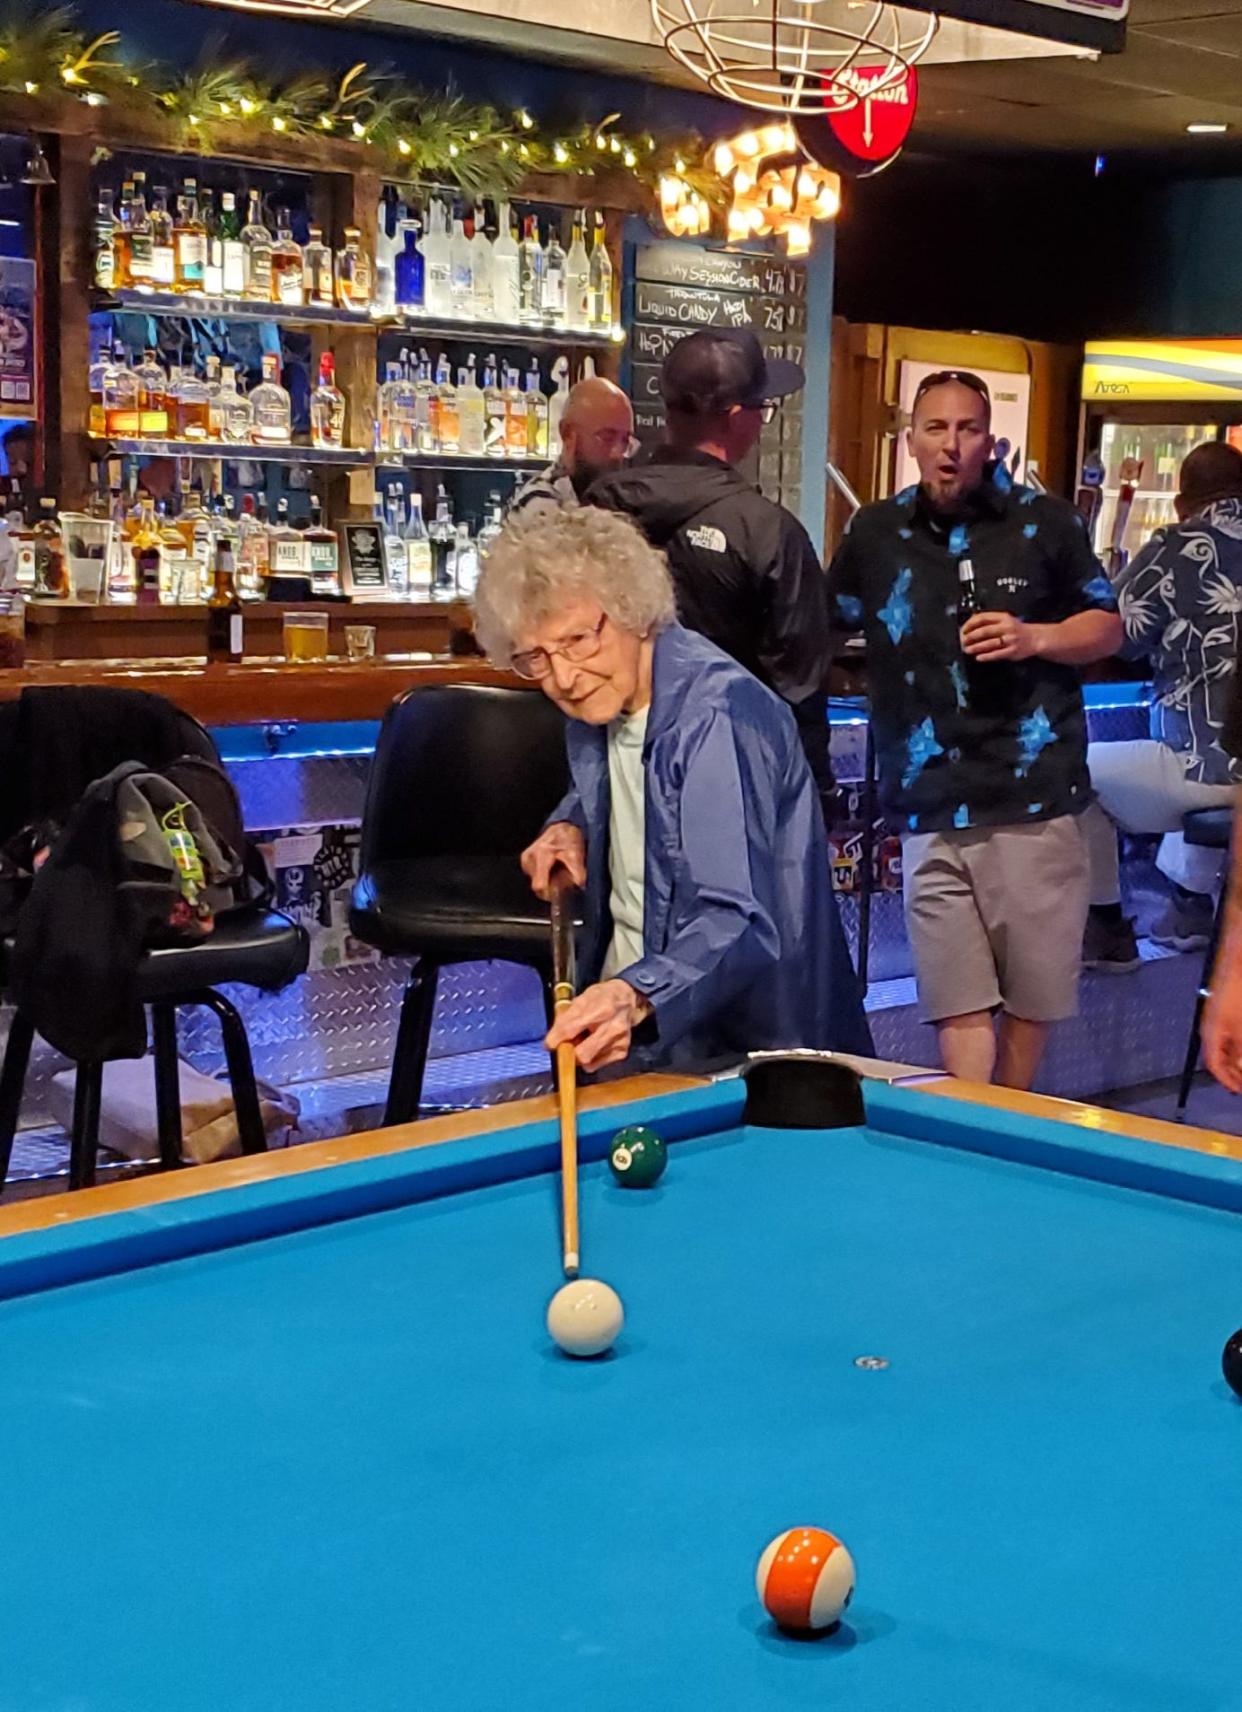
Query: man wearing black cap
745, 573
979, 599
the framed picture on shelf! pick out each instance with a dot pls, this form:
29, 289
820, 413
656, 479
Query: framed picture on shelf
366, 561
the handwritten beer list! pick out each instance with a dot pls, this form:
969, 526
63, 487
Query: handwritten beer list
681, 287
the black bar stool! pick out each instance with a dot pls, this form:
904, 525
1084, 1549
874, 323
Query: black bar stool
1210, 829
252, 946
464, 777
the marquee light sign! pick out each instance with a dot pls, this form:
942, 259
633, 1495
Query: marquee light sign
296, 8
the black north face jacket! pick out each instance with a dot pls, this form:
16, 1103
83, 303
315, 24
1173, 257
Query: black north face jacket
745, 573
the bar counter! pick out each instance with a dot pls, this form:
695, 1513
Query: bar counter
74, 630
261, 691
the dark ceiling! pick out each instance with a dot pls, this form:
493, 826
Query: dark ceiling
1182, 65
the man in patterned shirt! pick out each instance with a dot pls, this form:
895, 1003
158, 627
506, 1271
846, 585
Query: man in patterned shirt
1180, 600
979, 726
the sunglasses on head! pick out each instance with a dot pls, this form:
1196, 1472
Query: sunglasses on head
963, 377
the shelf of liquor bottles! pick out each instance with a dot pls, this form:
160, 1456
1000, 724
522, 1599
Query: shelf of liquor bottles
216, 450
197, 303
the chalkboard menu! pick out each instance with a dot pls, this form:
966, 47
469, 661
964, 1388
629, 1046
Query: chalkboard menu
678, 288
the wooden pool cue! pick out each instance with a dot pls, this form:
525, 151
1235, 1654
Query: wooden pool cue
563, 983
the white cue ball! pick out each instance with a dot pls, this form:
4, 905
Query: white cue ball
585, 1317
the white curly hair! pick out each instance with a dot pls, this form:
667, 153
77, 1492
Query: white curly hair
545, 558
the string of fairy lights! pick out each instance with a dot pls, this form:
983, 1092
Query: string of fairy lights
414, 132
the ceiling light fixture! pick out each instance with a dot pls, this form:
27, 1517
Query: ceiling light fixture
1207, 128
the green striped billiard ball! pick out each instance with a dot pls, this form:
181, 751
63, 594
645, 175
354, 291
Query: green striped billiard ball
637, 1157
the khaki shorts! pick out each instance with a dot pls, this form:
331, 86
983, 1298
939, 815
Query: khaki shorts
996, 917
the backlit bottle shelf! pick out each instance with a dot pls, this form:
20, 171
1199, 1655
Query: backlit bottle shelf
500, 332
197, 303
346, 458
458, 461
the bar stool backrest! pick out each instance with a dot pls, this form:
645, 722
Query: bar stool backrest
463, 770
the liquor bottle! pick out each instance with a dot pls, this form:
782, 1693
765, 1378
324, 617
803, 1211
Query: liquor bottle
493, 523
554, 280
531, 264
556, 405
481, 245
163, 247
120, 236
141, 256
253, 556
493, 409
323, 553
601, 280
410, 273
435, 245
233, 251
190, 233
506, 267
327, 408
395, 550
426, 408
536, 413
578, 281
417, 549
197, 527
353, 273
213, 265
464, 562
390, 233
233, 410
287, 267
471, 412
179, 575
122, 581
105, 270
288, 548
146, 552
51, 572
224, 515
153, 421
448, 420
442, 536
211, 380
461, 273
516, 431
318, 279
257, 245
271, 407
121, 395
97, 378
191, 407
225, 622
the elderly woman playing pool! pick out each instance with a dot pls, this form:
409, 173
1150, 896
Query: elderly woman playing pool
692, 823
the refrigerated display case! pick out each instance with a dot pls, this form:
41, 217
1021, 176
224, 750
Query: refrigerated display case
1146, 403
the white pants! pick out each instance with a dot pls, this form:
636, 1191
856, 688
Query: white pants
1142, 789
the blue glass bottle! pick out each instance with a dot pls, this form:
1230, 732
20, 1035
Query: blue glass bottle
410, 272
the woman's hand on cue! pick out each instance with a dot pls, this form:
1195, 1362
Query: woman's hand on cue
599, 1022
559, 845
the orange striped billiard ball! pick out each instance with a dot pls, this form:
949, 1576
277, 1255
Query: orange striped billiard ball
805, 1579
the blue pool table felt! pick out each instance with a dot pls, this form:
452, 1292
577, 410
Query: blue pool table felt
341, 1469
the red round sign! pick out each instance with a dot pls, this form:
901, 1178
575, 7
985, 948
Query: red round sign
877, 127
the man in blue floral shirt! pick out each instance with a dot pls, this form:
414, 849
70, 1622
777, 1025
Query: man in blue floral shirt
1181, 601
979, 599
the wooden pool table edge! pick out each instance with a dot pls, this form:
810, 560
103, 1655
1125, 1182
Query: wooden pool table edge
52, 1211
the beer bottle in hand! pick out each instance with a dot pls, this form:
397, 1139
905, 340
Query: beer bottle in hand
967, 593
224, 611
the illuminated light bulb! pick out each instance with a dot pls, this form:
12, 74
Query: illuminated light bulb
472, 136
755, 219
739, 225
454, 151
192, 119
806, 186
601, 142
782, 197
404, 147
680, 164
726, 160
31, 87
798, 239
225, 109
358, 129
325, 119
248, 106
69, 74
525, 120
504, 147
774, 138
747, 144
743, 181
827, 204
615, 145
279, 124
630, 158
522, 149
559, 154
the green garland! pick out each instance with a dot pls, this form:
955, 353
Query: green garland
415, 133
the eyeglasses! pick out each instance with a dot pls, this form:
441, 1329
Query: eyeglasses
963, 377
583, 645
766, 407
608, 440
